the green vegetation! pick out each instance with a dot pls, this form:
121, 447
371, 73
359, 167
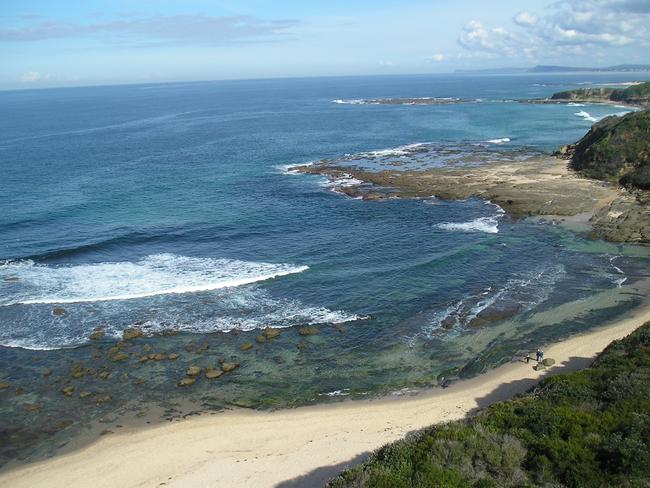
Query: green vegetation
585, 429
633, 95
616, 148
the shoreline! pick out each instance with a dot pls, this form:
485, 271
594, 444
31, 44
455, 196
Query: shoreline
307, 444
543, 187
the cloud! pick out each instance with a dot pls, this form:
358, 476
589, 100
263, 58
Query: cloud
475, 37
568, 27
438, 57
174, 28
526, 19
33, 76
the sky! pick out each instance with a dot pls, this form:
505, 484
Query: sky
45, 43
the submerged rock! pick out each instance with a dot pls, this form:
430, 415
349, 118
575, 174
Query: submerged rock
84, 394
308, 330
246, 346
4, 385
228, 367
47, 372
68, 390
146, 348
120, 356
193, 371
187, 381
131, 333
271, 333
97, 334
173, 356
213, 373
260, 339
58, 312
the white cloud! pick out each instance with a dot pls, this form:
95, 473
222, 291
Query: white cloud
526, 19
438, 57
568, 27
31, 77
475, 37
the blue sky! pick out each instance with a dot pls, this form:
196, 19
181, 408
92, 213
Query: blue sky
61, 42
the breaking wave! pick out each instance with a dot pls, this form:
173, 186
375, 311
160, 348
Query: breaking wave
25, 282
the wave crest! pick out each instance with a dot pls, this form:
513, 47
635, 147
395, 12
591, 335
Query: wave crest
25, 282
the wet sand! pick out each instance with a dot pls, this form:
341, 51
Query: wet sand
299, 447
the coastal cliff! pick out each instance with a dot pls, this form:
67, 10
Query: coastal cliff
616, 149
636, 95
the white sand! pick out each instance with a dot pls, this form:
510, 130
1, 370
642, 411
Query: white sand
257, 449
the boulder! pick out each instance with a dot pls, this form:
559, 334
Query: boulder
548, 362
228, 367
308, 330
68, 390
213, 373
187, 382
246, 346
173, 356
193, 371
131, 333
58, 312
159, 356
271, 333
97, 335
539, 366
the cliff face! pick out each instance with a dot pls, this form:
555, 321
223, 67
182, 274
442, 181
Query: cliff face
616, 148
638, 95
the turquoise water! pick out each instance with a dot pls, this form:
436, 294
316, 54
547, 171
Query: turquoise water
173, 208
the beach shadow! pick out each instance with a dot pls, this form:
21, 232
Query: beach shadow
508, 390
320, 476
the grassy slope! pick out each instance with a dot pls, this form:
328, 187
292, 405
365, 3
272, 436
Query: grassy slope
617, 148
585, 429
633, 95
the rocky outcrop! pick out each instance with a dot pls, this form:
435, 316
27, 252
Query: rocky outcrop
616, 149
637, 95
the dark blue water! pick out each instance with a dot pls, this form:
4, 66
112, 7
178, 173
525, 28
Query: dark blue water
170, 207
113, 195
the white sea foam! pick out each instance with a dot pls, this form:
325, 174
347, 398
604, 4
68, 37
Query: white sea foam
573, 104
395, 151
357, 101
290, 169
528, 291
586, 116
489, 225
499, 141
222, 310
158, 274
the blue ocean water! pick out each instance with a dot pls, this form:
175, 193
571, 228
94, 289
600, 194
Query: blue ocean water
118, 199
173, 208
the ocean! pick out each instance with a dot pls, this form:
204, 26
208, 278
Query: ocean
173, 208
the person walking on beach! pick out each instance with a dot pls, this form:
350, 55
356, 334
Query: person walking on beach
540, 355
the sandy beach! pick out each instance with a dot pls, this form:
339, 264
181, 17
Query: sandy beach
299, 447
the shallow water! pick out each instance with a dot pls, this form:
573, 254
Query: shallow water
170, 207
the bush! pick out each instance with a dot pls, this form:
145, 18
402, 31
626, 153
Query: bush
586, 429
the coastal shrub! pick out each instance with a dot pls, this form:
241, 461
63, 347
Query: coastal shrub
585, 429
616, 148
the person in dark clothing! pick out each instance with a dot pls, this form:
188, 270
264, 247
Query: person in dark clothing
540, 355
